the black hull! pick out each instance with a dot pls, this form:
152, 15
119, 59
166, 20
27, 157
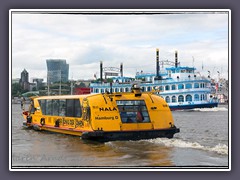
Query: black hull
103, 136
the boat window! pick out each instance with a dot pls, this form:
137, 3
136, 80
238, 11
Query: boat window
196, 97
202, 85
180, 98
196, 85
70, 108
77, 108
49, 107
188, 86
73, 108
173, 87
161, 88
32, 108
167, 99
203, 97
62, 107
189, 98
169, 73
181, 86
174, 99
42, 104
148, 88
167, 88
133, 111
55, 107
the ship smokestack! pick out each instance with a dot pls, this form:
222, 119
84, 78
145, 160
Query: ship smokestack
101, 71
157, 64
121, 69
176, 59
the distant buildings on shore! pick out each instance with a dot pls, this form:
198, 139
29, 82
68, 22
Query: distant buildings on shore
57, 81
57, 70
24, 81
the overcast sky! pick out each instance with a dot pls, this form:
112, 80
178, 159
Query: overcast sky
86, 39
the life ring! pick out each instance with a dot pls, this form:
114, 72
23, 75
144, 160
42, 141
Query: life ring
42, 121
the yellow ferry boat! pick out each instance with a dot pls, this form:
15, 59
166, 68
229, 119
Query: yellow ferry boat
103, 117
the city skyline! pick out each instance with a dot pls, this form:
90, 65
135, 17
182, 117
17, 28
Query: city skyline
201, 39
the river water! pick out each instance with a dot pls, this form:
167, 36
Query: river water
201, 144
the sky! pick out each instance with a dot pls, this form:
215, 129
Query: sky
83, 40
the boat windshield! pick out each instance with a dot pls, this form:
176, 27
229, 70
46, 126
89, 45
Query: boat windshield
133, 111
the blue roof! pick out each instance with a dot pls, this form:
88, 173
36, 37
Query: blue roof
119, 77
181, 67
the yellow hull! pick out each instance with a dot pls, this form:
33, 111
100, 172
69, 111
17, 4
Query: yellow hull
103, 117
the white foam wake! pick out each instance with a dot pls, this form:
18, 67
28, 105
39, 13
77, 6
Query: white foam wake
220, 148
215, 109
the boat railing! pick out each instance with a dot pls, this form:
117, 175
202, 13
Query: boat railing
187, 79
109, 84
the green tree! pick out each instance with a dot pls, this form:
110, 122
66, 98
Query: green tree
17, 90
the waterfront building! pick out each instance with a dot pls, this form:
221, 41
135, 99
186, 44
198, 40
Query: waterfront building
57, 70
38, 83
24, 81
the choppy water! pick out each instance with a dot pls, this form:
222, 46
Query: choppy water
202, 142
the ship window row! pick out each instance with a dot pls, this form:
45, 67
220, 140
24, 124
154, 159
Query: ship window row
149, 88
187, 98
179, 86
104, 90
61, 107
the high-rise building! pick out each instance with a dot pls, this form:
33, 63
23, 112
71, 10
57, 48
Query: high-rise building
24, 82
38, 82
57, 69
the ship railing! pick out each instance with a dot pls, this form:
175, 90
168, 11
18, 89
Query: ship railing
185, 79
184, 91
108, 84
